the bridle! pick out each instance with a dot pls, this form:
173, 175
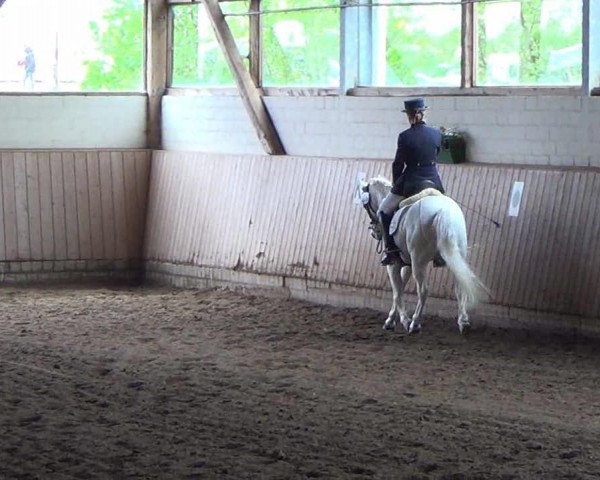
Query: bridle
375, 225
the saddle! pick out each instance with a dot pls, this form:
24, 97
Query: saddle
438, 261
407, 202
430, 191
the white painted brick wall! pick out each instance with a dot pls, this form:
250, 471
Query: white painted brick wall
213, 124
72, 121
593, 104
535, 130
556, 130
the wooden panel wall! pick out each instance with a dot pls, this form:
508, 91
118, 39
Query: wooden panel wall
294, 217
72, 205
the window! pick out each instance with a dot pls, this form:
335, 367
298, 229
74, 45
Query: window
72, 45
532, 42
197, 56
389, 43
416, 45
301, 48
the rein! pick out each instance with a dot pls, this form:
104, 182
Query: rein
375, 225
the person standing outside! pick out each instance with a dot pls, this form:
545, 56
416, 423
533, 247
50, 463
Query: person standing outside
28, 63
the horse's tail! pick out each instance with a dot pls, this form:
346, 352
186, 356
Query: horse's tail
451, 243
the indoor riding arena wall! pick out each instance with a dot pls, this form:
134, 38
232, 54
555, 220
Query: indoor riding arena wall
71, 214
73, 185
541, 130
290, 223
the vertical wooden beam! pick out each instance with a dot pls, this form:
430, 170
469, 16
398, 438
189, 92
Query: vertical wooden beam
349, 48
378, 45
250, 93
468, 46
591, 47
586, 48
594, 47
366, 30
157, 29
255, 53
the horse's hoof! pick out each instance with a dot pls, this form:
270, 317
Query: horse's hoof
389, 327
464, 329
414, 329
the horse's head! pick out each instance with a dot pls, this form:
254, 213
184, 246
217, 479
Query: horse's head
372, 194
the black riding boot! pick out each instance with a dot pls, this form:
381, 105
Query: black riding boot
391, 254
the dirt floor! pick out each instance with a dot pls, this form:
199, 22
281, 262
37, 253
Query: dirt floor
110, 383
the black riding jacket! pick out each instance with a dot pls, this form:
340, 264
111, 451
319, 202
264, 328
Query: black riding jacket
417, 152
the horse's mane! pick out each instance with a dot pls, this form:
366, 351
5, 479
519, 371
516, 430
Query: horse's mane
382, 181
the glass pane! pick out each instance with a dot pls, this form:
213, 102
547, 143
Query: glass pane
197, 56
417, 45
301, 48
72, 45
532, 42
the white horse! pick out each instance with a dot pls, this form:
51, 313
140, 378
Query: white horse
430, 225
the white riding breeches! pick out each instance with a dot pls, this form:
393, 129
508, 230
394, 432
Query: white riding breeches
390, 203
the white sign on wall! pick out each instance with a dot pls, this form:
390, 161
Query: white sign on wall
360, 178
515, 199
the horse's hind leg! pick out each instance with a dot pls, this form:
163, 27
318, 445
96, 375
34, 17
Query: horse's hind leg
398, 278
463, 317
419, 271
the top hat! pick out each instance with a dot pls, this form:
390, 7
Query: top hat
415, 105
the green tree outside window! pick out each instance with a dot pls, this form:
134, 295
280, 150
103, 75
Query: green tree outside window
530, 42
120, 39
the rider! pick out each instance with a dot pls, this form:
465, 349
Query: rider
413, 170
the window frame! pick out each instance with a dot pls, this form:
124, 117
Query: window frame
468, 85
356, 18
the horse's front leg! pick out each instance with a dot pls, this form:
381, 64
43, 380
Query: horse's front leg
398, 278
419, 271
